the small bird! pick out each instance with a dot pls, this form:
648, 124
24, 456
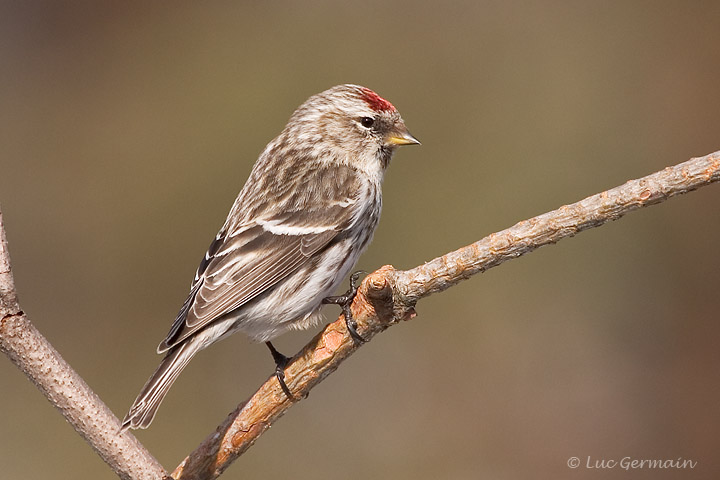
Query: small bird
307, 211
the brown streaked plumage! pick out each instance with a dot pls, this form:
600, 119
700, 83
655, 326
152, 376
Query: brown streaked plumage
307, 211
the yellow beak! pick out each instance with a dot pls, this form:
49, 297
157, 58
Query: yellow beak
401, 137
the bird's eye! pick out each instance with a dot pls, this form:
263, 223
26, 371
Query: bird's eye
367, 122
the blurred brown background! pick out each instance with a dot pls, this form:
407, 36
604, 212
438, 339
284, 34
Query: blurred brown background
127, 131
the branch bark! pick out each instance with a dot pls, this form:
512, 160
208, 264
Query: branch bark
385, 297
388, 296
64, 388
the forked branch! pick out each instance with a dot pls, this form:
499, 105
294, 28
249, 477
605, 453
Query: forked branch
385, 297
388, 296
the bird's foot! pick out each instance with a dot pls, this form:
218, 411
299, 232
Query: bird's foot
345, 300
281, 362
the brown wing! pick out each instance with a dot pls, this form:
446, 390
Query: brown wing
264, 242
241, 266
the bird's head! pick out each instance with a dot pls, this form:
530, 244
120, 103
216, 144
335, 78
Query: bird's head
350, 124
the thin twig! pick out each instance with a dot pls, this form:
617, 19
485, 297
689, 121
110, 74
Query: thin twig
64, 388
568, 220
388, 296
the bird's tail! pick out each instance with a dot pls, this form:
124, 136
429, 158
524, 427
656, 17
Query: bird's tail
145, 406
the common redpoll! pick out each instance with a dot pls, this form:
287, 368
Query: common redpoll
304, 216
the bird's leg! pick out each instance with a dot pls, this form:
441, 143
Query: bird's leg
345, 300
281, 362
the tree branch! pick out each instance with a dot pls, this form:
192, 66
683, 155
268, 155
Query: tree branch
568, 220
388, 296
385, 297
64, 388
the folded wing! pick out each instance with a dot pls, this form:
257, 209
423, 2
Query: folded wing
244, 263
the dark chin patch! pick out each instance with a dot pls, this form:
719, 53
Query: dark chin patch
385, 155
